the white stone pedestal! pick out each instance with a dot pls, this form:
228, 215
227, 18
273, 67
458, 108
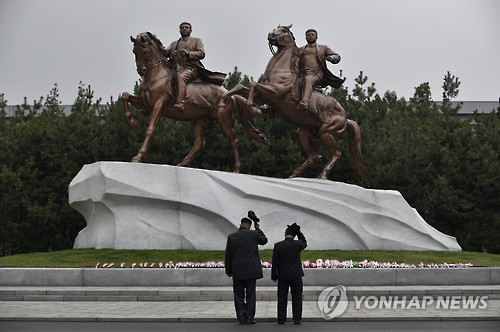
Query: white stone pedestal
146, 206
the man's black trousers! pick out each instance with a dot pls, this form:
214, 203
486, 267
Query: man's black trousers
244, 299
296, 287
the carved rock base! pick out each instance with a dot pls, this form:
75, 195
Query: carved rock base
147, 206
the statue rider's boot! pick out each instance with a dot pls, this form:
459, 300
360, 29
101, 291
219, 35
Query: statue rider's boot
303, 105
306, 96
179, 105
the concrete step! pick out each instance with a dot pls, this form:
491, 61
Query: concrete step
224, 293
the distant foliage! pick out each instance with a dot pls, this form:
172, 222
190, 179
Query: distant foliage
445, 168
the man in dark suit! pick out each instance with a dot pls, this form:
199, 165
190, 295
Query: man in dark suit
287, 270
242, 262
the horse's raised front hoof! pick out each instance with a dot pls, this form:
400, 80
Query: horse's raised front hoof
136, 160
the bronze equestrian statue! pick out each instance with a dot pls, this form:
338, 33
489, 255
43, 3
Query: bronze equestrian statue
204, 103
280, 88
185, 55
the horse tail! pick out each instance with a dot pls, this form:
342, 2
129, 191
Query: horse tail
354, 133
246, 119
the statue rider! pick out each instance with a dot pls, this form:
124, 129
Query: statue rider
314, 70
185, 55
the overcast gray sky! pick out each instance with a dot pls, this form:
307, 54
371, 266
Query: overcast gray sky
398, 44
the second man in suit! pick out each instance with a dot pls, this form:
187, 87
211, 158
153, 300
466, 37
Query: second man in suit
287, 270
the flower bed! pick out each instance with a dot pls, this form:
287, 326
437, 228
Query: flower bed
318, 264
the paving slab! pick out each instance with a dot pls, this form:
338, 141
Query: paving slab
219, 311
215, 303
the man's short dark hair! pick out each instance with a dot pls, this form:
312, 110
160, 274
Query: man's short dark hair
246, 221
309, 30
289, 231
185, 23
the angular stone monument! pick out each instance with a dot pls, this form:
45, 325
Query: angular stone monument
147, 206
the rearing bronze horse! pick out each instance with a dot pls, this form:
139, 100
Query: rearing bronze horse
326, 120
204, 104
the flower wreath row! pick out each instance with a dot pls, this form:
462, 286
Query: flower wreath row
318, 264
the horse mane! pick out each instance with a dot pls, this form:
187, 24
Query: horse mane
158, 43
296, 50
288, 28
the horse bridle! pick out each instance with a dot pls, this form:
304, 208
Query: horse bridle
145, 44
281, 37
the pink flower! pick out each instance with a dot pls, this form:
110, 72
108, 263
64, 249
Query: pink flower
266, 265
319, 263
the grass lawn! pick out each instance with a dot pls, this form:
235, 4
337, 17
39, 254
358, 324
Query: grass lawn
84, 258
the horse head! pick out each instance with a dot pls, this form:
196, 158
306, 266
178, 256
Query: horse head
148, 51
281, 37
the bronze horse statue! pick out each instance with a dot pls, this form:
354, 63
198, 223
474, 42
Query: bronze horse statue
204, 106
279, 88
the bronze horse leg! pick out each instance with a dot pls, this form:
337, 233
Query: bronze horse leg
158, 108
225, 119
329, 133
265, 90
305, 138
237, 89
198, 128
134, 100
241, 90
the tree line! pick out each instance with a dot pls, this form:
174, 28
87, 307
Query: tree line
447, 169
